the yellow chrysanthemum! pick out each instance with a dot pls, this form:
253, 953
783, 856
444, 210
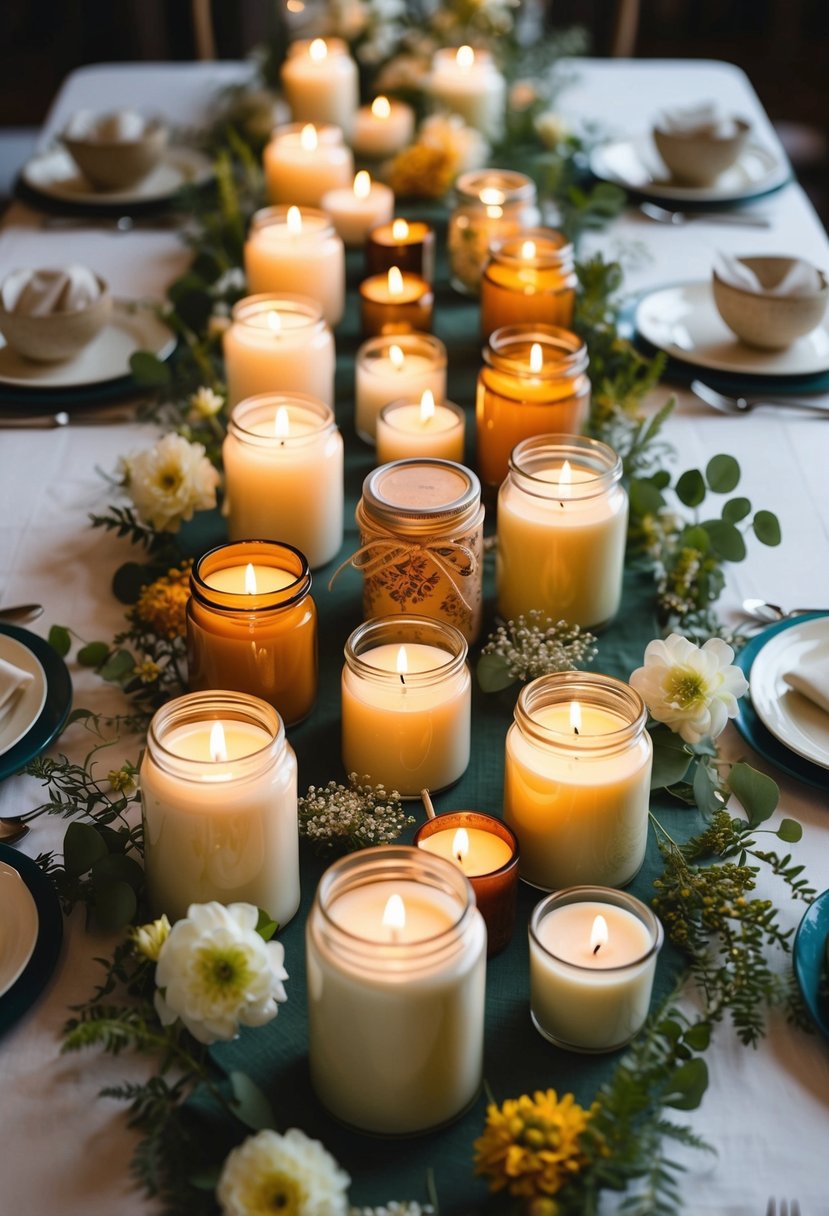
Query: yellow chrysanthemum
421, 170
532, 1145
162, 605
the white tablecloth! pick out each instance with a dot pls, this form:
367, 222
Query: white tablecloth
767, 1111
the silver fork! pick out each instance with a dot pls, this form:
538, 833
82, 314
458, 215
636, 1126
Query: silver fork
744, 405
784, 1209
664, 215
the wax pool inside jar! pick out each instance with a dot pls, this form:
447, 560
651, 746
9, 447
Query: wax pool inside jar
593, 720
566, 932
418, 658
291, 424
428, 911
410, 418
487, 852
193, 741
232, 579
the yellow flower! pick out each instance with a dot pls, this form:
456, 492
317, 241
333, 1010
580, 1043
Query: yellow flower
421, 170
162, 605
148, 939
532, 1145
122, 780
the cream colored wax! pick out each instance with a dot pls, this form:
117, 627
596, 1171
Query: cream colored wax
358, 209
468, 82
296, 251
320, 82
304, 163
279, 349
391, 375
408, 428
475, 851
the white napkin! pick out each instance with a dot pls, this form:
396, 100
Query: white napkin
12, 682
801, 279
812, 683
35, 293
704, 118
120, 126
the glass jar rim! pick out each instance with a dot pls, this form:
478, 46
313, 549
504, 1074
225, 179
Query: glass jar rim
388, 410
459, 512
257, 552
248, 307
393, 630
515, 187
509, 347
258, 409
588, 688
468, 818
539, 452
327, 132
557, 249
412, 342
267, 217
211, 706
599, 895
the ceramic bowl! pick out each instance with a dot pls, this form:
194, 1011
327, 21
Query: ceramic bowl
698, 157
769, 321
56, 336
117, 164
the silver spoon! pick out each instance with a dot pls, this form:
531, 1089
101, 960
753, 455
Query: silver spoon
662, 215
744, 405
761, 610
41, 422
21, 613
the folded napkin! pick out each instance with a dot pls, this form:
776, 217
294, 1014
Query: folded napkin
12, 682
35, 293
121, 126
812, 683
704, 118
801, 279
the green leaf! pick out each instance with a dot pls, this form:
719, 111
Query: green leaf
698, 1036
790, 831
722, 474
758, 794
266, 926
148, 370
250, 1105
115, 905
725, 539
695, 537
121, 665
117, 867
705, 786
205, 1180
82, 847
687, 1085
493, 673
690, 488
645, 498
767, 528
60, 640
129, 581
670, 758
93, 654
736, 509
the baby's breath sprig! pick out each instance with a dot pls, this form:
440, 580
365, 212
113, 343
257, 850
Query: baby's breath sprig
532, 646
344, 818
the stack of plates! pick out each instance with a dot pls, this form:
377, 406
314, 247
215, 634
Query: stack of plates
31, 931
40, 711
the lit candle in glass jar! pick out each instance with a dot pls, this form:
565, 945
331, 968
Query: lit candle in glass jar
468, 83
529, 278
408, 428
389, 369
303, 162
278, 342
395, 303
356, 211
409, 244
292, 250
382, 128
320, 82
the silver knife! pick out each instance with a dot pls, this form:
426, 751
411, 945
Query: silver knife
45, 422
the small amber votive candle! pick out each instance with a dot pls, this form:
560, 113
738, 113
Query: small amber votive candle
420, 428
409, 244
529, 278
395, 303
486, 850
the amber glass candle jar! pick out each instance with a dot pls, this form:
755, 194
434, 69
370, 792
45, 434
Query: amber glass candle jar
409, 244
491, 204
252, 625
529, 278
395, 303
533, 382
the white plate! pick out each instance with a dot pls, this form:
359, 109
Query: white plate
132, 327
796, 721
56, 175
27, 706
683, 321
635, 165
18, 926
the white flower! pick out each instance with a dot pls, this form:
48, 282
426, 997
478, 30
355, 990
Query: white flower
204, 403
461, 144
148, 939
692, 689
169, 481
216, 973
551, 128
393, 1208
288, 1175
522, 95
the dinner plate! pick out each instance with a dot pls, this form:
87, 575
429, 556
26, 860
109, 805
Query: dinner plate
18, 926
635, 165
29, 701
36, 972
55, 708
682, 320
792, 718
809, 961
54, 174
107, 357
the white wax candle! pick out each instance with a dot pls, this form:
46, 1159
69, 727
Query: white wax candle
468, 83
406, 428
251, 579
301, 165
295, 251
390, 374
589, 996
321, 83
357, 210
275, 346
283, 462
407, 736
220, 822
382, 128
476, 852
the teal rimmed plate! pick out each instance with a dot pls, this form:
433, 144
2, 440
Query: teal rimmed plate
52, 717
810, 961
35, 975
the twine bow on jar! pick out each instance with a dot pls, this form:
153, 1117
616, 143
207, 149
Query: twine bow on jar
386, 549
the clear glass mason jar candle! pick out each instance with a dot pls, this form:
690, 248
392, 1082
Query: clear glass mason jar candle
283, 463
562, 529
219, 801
577, 780
410, 428
529, 278
396, 953
303, 162
292, 249
321, 82
278, 342
421, 527
406, 704
390, 368
533, 382
592, 962
252, 625
491, 204
468, 82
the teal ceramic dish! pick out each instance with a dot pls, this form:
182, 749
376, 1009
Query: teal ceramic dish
810, 961
55, 711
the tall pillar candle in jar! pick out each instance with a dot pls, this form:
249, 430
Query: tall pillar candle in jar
562, 527
396, 954
406, 704
321, 83
283, 462
468, 83
278, 343
303, 162
390, 368
219, 803
252, 625
529, 278
577, 780
533, 382
421, 542
297, 250
490, 204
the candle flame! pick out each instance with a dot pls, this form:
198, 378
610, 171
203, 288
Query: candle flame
250, 579
381, 107
281, 423
294, 221
318, 50
427, 405
274, 323
465, 58
565, 480
491, 196
395, 281
575, 717
528, 250
460, 845
394, 916
295, 6
396, 357
218, 747
399, 230
308, 137
362, 185
402, 662
598, 935
536, 357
